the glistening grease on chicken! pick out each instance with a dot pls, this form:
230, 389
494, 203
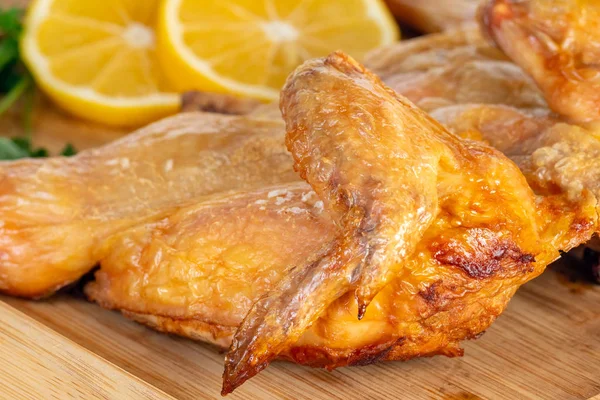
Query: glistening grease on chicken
479, 94
557, 43
411, 200
55, 213
437, 233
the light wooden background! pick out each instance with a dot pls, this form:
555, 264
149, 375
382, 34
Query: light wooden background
545, 346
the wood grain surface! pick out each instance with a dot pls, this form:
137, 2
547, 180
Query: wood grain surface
39, 363
545, 346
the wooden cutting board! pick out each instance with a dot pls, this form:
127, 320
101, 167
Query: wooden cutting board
545, 346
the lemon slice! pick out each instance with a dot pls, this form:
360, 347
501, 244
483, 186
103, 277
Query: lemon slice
248, 47
97, 59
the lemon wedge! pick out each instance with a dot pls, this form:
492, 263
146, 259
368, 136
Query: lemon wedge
248, 47
97, 59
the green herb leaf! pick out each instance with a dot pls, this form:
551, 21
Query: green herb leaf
23, 143
14, 77
11, 97
9, 52
10, 32
39, 153
15, 81
20, 147
9, 150
68, 150
10, 22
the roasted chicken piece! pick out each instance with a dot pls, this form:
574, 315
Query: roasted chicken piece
55, 213
505, 110
558, 43
527, 132
423, 235
451, 68
434, 15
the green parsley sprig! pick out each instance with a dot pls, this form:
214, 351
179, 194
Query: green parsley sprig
17, 83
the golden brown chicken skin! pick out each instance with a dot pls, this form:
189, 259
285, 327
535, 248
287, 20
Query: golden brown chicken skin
557, 43
55, 213
454, 68
505, 110
409, 197
431, 235
209, 261
527, 133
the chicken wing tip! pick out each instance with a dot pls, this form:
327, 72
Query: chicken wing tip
234, 377
242, 365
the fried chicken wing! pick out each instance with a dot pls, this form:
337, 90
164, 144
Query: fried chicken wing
432, 15
558, 44
55, 212
497, 109
344, 145
487, 233
434, 233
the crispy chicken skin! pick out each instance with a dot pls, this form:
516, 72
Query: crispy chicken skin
558, 44
56, 212
212, 258
507, 111
451, 68
434, 233
558, 157
434, 15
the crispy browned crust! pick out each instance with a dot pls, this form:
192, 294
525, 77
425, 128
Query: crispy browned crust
557, 44
218, 335
312, 356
